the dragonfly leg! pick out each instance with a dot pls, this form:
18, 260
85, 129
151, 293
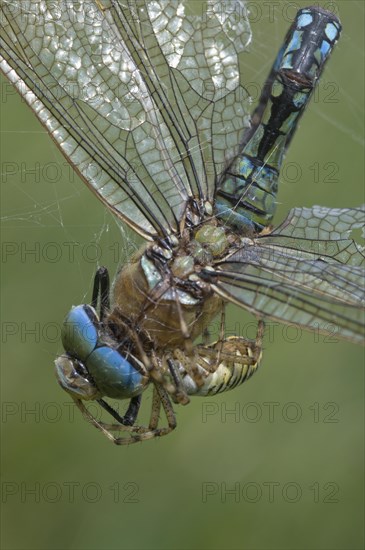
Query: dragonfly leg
131, 414
101, 290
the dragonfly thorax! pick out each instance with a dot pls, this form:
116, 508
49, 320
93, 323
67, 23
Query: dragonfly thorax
164, 292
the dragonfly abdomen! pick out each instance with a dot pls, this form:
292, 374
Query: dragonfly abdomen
246, 196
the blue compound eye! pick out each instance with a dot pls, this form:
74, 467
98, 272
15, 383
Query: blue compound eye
80, 332
92, 364
114, 375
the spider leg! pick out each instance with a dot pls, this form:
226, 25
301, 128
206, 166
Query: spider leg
160, 397
180, 396
134, 434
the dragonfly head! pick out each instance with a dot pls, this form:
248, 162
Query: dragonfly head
73, 378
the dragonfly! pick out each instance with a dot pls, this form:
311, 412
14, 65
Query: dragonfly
145, 102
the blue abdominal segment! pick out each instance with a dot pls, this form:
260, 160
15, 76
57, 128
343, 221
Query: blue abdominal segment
246, 196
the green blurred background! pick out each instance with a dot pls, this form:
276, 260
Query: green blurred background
284, 471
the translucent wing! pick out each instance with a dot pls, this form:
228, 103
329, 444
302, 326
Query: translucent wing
308, 272
143, 99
